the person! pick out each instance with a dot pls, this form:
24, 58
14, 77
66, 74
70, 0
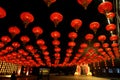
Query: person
13, 76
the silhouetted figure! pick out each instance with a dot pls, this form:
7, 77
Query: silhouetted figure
13, 76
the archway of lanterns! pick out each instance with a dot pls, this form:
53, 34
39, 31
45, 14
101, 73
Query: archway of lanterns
87, 52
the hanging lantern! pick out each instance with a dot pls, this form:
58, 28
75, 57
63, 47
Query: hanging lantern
45, 53
36, 55
29, 57
9, 48
57, 54
102, 38
96, 45
2, 12
14, 30
55, 34
56, 43
56, 17
114, 37
40, 42
94, 26
29, 48
68, 55
111, 28
108, 49
72, 35
5, 39
69, 50
71, 44
89, 37
57, 49
43, 47
100, 50
83, 45
27, 18
84, 3
25, 39
81, 50
49, 2
2, 44
76, 24
16, 44
105, 45
110, 15
105, 7
114, 44
37, 31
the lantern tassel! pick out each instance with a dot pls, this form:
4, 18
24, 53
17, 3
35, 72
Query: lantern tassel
26, 24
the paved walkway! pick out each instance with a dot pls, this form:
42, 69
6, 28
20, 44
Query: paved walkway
64, 78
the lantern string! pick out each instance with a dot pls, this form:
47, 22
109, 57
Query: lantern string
111, 32
103, 0
108, 20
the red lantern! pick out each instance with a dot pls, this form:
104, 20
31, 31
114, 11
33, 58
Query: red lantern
68, 55
83, 45
72, 35
102, 38
49, 2
36, 55
9, 48
33, 51
89, 37
114, 37
84, 3
114, 44
16, 44
108, 49
2, 12
105, 7
14, 54
21, 51
55, 34
24, 54
57, 54
69, 50
78, 55
56, 17
25, 39
80, 50
45, 53
105, 45
40, 42
76, 24
29, 48
5, 39
57, 49
37, 31
110, 27
110, 15
96, 45
94, 26
100, 50
43, 47
2, 44
14, 30
56, 42
29, 57
27, 18
71, 44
